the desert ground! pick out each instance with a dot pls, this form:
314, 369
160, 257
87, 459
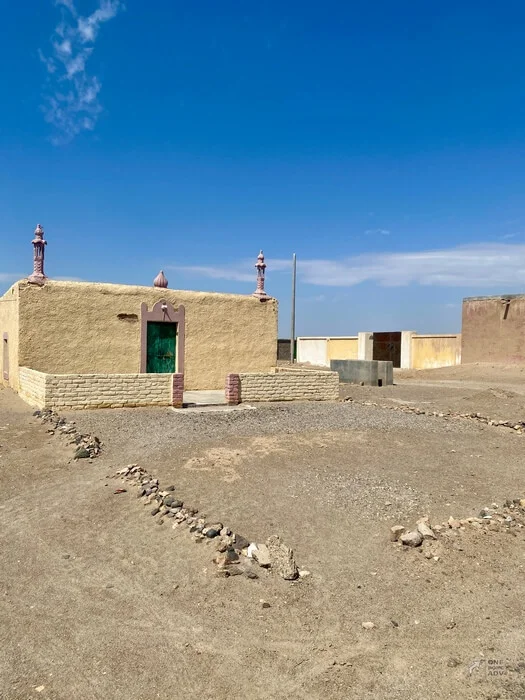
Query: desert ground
99, 600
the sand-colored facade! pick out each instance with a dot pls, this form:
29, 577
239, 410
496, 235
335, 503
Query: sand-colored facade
493, 329
9, 322
88, 328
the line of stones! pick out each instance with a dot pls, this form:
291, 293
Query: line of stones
235, 554
495, 518
517, 426
87, 446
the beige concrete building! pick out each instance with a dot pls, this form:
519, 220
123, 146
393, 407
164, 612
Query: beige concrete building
494, 329
81, 328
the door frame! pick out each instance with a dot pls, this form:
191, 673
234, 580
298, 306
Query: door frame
162, 312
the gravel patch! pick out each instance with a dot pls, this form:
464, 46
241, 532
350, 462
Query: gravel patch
151, 427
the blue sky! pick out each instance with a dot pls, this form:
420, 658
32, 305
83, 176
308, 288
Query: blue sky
383, 144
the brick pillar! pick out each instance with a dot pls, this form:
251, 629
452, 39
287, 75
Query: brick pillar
233, 389
177, 390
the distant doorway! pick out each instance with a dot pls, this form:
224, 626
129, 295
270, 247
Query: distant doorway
162, 333
161, 347
387, 346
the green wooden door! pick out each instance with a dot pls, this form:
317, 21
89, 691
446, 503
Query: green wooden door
162, 345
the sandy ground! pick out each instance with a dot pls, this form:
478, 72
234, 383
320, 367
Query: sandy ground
98, 601
496, 391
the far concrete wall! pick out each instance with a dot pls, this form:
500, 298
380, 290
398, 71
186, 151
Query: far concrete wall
430, 351
320, 350
342, 348
87, 328
417, 351
493, 329
313, 351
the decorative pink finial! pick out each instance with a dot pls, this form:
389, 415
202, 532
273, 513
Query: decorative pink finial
160, 280
260, 266
39, 244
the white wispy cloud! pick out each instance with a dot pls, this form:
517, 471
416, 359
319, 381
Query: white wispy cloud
72, 103
237, 272
377, 232
477, 265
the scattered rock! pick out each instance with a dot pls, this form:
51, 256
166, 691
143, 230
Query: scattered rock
396, 532
223, 543
82, 453
425, 530
453, 523
367, 625
282, 559
240, 542
227, 558
261, 554
411, 539
155, 511
264, 604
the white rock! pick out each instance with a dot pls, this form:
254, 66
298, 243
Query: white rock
396, 532
261, 554
411, 539
426, 531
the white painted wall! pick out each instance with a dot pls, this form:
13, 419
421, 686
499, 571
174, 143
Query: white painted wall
365, 345
406, 349
313, 350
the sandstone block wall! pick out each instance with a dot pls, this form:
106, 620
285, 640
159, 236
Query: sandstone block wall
81, 391
32, 387
289, 386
